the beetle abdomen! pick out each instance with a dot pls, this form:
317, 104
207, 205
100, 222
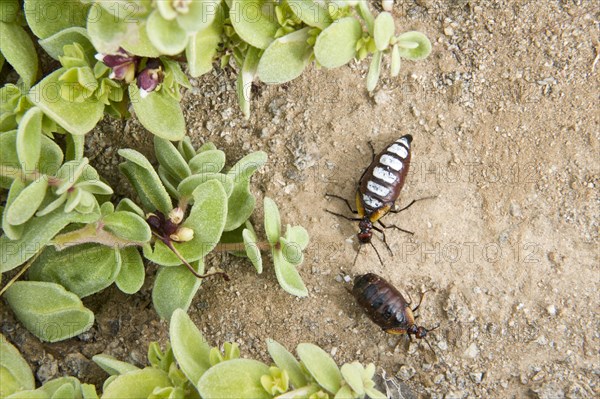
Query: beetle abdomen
381, 183
382, 302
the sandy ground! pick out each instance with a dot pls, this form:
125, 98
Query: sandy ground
505, 121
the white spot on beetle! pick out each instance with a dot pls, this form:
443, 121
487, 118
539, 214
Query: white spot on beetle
392, 162
377, 189
398, 150
384, 174
404, 142
371, 202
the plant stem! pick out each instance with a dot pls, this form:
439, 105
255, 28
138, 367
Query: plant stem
23, 270
91, 233
240, 246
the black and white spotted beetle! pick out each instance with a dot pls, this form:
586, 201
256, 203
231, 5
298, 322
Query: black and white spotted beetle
379, 188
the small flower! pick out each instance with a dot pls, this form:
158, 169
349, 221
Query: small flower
123, 65
149, 79
277, 382
176, 215
183, 234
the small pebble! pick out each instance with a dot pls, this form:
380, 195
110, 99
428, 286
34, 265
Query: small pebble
551, 309
405, 372
472, 351
476, 377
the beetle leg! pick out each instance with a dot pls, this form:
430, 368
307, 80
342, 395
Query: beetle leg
344, 216
411, 204
343, 199
372, 151
420, 300
384, 239
390, 226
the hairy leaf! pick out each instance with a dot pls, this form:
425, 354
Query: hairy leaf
167, 36
254, 21
48, 311
175, 288
15, 373
285, 58
414, 46
286, 361
211, 161
17, 48
291, 251
252, 250
169, 158
47, 18
12, 232
137, 384
27, 202
188, 185
203, 46
297, 235
234, 379
288, 277
374, 71
76, 118
132, 273
321, 366
189, 346
159, 113
128, 226
82, 269
53, 45
272, 221
311, 12
336, 45
37, 233
113, 366
383, 30
245, 79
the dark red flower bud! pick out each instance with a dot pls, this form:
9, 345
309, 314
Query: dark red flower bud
149, 79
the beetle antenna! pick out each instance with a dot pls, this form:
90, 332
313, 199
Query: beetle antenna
377, 252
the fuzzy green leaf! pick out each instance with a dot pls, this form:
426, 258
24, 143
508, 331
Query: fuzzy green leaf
252, 250
139, 43
146, 181
291, 251
396, 61
48, 311
188, 185
311, 13
76, 118
199, 16
245, 79
352, 372
374, 71
254, 21
137, 384
414, 46
17, 48
27, 202
82, 269
285, 58
12, 232
297, 235
167, 36
75, 147
15, 373
128, 205
37, 233
203, 45
128, 226
383, 30
45, 19
286, 361
106, 31
159, 113
375, 394
53, 45
241, 201
29, 138
113, 366
234, 379
168, 156
175, 288
211, 161
51, 387
132, 273
189, 346
288, 277
9, 10
321, 366
336, 45
186, 149
206, 218
272, 221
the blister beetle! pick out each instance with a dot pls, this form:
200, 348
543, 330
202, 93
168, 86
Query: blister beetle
386, 306
378, 189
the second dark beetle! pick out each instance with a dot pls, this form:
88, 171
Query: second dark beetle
386, 306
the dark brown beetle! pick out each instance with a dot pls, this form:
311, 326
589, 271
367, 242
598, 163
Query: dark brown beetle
386, 306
